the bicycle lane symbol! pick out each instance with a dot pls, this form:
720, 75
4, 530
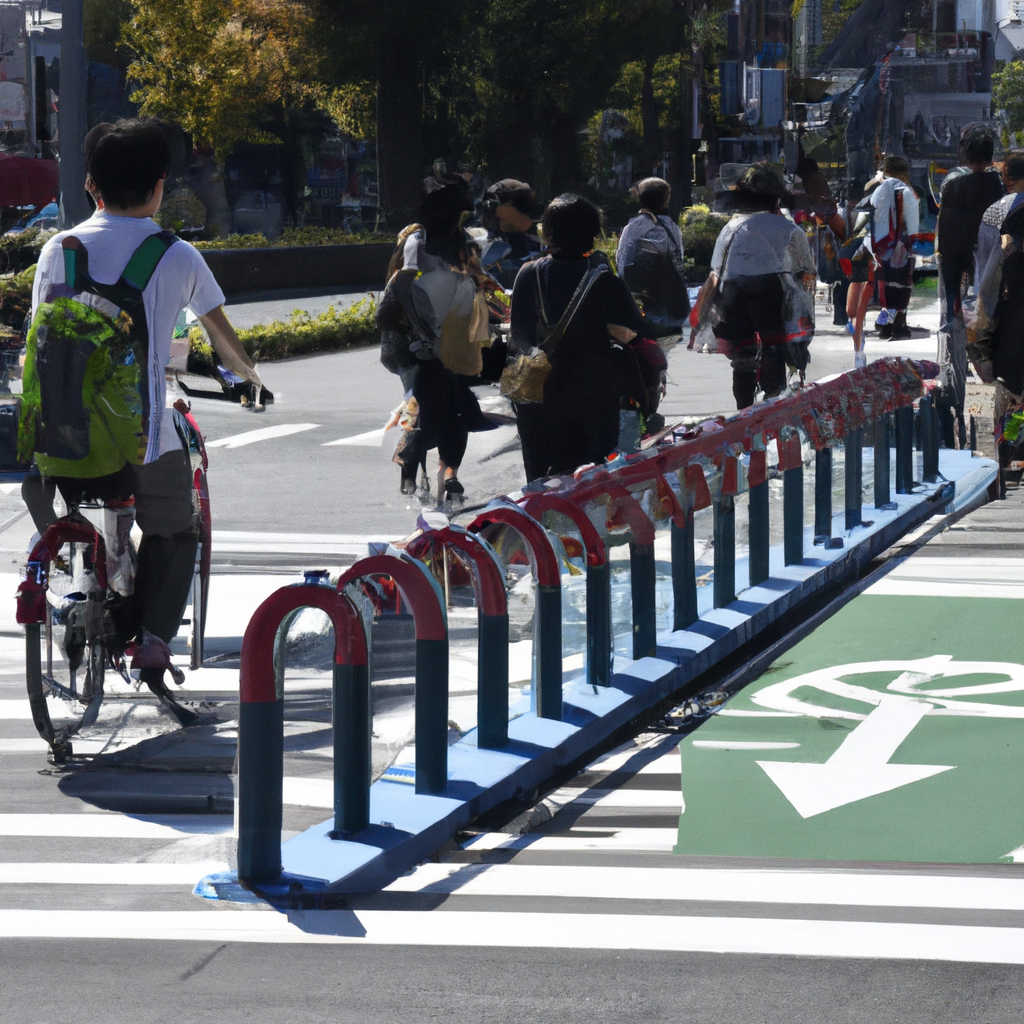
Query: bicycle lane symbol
860, 767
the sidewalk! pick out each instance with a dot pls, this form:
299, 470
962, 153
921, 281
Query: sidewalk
892, 733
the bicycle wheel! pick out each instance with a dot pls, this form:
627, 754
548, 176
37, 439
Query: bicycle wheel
65, 655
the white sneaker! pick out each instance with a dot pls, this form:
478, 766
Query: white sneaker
860, 359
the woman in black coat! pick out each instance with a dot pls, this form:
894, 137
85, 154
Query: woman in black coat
578, 421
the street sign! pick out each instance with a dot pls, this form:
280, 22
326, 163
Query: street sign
894, 732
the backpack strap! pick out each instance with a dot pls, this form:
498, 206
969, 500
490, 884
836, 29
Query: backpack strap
144, 260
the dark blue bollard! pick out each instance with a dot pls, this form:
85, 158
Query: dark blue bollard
904, 449
793, 515
431, 717
260, 789
724, 578
492, 683
823, 496
643, 590
599, 625
854, 478
929, 429
758, 532
352, 719
882, 462
549, 652
684, 575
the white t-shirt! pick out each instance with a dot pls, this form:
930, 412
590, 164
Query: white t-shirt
761, 243
181, 280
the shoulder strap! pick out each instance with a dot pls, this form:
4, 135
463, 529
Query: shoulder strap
144, 260
582, 290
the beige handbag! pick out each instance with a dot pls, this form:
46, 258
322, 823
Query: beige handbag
524, 376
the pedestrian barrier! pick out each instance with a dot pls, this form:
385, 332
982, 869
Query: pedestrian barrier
709, 467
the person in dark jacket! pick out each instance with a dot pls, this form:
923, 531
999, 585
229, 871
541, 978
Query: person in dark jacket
507, 211
578, 421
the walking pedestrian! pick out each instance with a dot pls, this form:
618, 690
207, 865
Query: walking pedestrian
896, 218
762, 311
577, 423
966, 194
433, 322
649, 258
858, 264
508, 210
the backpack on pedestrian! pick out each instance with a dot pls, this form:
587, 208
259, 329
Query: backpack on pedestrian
86, 407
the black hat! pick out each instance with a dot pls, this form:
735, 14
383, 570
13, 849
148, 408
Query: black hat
451, 198
511, 192
766, 179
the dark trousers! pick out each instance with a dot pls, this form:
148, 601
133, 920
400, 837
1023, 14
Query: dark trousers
554, 443
440, 396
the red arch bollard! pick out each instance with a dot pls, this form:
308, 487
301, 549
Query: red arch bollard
492, 619
420, 592
547, 572
261, 726
642, 571
599, 582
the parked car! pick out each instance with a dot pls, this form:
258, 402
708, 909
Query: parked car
45, 219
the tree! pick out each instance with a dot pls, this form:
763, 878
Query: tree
1008, 97
226, 71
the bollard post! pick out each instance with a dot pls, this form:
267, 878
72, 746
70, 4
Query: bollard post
928, 426
599, 624
549, 652
854, 489
793, 514
261, 726
882, 462
684, 574
643, 581
548, 613
352, 721
823, 496
904, 449
757, 517
974, 434
599, 594
421, 593
724, 578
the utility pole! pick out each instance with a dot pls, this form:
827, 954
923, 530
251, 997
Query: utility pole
71, 115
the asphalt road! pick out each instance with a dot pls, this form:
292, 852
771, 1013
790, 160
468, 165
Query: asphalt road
97, 922
301, 482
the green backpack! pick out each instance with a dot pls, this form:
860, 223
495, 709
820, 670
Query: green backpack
85, 408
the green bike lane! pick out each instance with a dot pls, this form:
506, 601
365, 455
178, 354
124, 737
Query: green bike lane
893, 733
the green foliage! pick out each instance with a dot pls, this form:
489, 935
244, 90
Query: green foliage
1008, 96
700, 228
302, 334
16, 297
295, 236
225, 70
102, 21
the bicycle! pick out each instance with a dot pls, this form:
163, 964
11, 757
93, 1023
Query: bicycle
76, 575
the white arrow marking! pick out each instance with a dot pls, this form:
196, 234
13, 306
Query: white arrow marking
371, 439
860, 767
263, 434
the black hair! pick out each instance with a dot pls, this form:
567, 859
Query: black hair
1013, 167
125, 160
979, 150
653, 194
570, 225
753, 202
441, 210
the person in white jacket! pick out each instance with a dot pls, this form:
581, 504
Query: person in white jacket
896, 219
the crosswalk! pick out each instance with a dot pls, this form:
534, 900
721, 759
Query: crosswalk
590, 867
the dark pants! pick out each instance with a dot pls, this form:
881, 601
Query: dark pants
164, 512
897, 285
442, 403
753, 324
555, 443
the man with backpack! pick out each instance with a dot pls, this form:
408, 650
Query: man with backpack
106, 297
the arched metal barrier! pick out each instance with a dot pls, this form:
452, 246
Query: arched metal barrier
492, 625
421, 593
624, 509
261, 726
548, 574
599, 592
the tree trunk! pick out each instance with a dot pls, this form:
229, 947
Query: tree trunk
208, 185
399, 131
649, 116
